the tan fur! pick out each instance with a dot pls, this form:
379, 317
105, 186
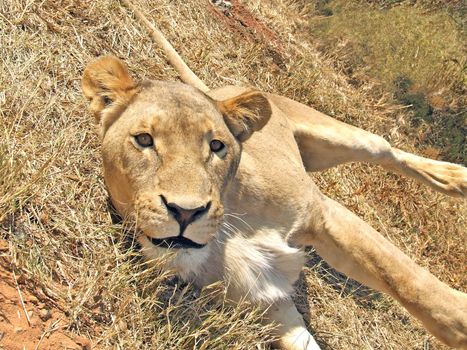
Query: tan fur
107, 81
263, 205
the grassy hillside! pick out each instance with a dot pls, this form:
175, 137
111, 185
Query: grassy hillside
412, 52
55, 226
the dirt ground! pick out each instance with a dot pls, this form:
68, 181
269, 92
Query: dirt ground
28, 319
66, 280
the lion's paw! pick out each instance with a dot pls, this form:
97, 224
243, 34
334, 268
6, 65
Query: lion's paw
445, 177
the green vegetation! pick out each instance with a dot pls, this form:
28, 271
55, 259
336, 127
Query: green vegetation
415, 51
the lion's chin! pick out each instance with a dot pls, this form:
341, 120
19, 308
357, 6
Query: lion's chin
186, 263
178, 242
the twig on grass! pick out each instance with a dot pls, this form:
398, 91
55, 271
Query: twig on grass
22, 300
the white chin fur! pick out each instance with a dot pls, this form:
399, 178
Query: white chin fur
261, 269
186, 263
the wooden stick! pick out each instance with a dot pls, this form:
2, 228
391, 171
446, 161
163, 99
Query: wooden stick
22, 300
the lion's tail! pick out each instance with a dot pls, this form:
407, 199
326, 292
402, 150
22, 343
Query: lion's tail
186, 74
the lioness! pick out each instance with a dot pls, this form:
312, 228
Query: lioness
183, 164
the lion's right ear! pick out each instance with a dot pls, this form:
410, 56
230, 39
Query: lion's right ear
108, 86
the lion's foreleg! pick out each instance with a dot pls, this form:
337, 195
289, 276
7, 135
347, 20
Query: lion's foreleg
262, 269
291, 331
354, 248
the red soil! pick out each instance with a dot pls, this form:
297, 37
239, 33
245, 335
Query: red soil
241, 21
42, 328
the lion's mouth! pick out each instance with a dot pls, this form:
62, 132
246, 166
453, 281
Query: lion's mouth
178, 242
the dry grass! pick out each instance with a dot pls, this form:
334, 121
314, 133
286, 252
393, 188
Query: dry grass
413, 51
404, 41
53, 204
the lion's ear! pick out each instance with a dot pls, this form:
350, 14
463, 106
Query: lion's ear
107, 85
246, 113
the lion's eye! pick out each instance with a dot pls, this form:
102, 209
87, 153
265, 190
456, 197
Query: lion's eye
144, 140
216, 146
107, 100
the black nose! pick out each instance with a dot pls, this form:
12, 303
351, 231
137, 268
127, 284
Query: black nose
185, 216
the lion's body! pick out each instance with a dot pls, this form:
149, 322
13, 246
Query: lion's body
247, 207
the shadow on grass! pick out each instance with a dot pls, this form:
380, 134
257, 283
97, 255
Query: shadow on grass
444, 128
344, 287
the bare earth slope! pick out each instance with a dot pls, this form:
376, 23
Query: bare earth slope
55, 224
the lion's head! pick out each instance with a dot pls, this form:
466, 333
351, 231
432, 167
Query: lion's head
169, 150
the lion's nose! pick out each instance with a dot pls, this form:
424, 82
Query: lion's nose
184, 215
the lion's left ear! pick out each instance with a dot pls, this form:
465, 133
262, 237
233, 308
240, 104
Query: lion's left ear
246, 113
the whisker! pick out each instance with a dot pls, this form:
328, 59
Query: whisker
236, 216
232, 228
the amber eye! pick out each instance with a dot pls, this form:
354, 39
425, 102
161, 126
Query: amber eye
144, 140
216, 146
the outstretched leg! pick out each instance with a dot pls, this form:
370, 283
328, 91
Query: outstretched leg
291, 331
325, 142
351, 246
